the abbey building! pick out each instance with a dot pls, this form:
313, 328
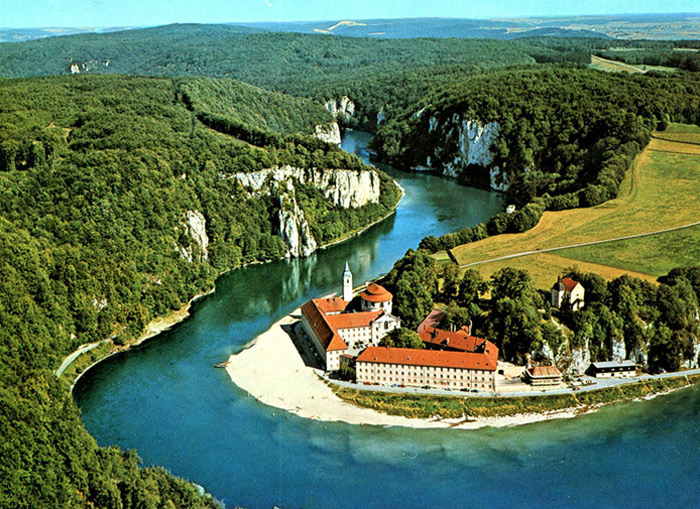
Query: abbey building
345, 326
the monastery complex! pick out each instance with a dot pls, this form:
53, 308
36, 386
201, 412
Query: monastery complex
348, 330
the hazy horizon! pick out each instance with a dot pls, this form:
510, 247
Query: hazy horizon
90, 14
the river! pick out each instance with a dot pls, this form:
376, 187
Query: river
165, 400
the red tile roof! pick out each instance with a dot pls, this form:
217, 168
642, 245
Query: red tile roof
543, 371
353, 320
432, 319
433, 358
376, 293
318, 321
459, 340
569, 284
331, 305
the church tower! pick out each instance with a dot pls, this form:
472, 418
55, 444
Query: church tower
347, 283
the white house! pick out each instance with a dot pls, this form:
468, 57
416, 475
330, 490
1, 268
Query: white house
570, 291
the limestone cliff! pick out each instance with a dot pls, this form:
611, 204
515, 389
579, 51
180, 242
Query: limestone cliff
580, 359
193, 225
329, 133
464, 146
343, 106
343, 188
295, 232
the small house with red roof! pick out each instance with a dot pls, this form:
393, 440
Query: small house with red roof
543, 375
566, 290
335, 330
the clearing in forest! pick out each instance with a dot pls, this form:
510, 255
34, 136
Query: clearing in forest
659, 192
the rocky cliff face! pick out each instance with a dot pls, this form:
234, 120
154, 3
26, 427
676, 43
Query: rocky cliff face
343, 188
464, 145
194, 225
580, 359
329, 133
341, 106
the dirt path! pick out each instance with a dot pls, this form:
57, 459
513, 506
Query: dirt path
582, 244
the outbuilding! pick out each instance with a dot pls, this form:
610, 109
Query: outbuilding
613, 369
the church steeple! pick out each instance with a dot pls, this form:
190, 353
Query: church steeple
347, 283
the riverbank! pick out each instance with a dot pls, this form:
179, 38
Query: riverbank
105, 348
271, 370
101, 350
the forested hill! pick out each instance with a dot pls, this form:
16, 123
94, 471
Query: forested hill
562, 137
308, 65
118, 205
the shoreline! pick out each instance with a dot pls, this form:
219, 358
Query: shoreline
155, 327
271, 370
161, 324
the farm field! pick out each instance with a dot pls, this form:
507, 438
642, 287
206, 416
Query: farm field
660, 192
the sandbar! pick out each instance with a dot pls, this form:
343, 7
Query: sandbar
271, 370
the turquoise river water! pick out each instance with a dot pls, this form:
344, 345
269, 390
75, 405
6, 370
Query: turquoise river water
165, 400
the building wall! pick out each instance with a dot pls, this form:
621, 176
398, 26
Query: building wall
351, 335
454, 378
333, 359
544, 381
557, 297
577, 297
376, 306
617, 374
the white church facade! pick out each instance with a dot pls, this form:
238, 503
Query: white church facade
336, 327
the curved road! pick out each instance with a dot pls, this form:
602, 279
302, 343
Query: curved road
583, 244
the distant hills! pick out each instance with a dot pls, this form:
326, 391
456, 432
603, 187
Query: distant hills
428, 27
631, 26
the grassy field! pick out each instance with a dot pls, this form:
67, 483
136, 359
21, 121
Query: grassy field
607, 65
659, 192
451, 407
649, 255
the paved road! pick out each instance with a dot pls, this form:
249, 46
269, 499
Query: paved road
596, 384
68, 360
583, 244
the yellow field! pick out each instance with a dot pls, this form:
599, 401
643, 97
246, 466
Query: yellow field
661, 191
603, 64
545, 267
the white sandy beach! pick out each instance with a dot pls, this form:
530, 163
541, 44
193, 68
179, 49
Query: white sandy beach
273, 372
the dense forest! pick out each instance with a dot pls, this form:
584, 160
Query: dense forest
653, 324
99, 176
105, 177
566, 136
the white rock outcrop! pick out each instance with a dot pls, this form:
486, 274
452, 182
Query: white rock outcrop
640, 356
343, 105
194, 225
381, 117
619, 351
694, 361
345, 188
580, 359
466, 142
329, 133
295, 232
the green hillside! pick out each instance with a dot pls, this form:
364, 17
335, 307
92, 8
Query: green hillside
98, 176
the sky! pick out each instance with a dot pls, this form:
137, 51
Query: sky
106, 13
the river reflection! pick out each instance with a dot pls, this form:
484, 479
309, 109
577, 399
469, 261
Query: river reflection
166, 400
